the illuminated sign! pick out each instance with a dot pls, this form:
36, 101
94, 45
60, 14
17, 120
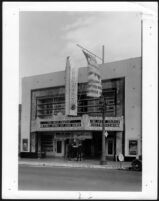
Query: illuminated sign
71, 85
85, 123
66, 123
73, 91
67, 87
108, 123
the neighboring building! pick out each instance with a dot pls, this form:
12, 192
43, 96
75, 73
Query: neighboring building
44, 126
19, 127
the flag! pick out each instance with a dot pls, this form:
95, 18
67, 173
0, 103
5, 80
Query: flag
94, 87
71, 86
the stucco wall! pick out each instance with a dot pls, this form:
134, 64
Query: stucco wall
35, 82
130, 69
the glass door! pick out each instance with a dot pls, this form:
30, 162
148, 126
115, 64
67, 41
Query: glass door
110, 147
59, 151
47, 144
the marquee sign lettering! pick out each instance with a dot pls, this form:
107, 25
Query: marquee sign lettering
85, 123
108, 123
67, 123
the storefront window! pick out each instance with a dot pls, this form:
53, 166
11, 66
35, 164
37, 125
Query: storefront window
25, 144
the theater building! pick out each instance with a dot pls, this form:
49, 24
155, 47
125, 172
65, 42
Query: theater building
46, 128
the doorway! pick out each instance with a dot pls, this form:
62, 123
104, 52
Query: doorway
47, 144
59, 148
110, 147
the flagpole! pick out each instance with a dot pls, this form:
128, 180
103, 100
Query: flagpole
103, 102
103, 54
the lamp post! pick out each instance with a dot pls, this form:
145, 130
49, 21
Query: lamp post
103, 103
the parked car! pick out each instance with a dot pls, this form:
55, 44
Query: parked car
137, 164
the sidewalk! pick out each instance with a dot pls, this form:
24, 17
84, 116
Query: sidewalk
61, 162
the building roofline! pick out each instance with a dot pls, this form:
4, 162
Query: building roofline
61, 71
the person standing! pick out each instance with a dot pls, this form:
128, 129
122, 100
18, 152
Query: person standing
74, 149
79, 152
69, 155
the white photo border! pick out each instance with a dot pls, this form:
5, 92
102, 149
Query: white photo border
11, 100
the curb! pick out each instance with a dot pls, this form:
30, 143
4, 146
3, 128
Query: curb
71, 165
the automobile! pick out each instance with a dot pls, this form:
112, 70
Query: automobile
136, 164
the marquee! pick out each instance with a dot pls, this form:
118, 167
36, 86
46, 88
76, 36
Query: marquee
64, 123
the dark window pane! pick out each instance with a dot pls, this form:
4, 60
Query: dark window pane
110, 147
59, 146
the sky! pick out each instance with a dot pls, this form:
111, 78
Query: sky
46, 38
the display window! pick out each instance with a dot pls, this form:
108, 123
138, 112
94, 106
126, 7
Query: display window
25, 144
133, 147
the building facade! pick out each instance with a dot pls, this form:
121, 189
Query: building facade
19, 127
46, 128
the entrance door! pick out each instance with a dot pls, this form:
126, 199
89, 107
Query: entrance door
59, 151
47, 144
110, 147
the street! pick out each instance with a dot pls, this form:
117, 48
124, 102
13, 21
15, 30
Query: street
81, 179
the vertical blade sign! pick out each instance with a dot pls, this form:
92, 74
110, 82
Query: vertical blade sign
67, 86
71, 85
73, 91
